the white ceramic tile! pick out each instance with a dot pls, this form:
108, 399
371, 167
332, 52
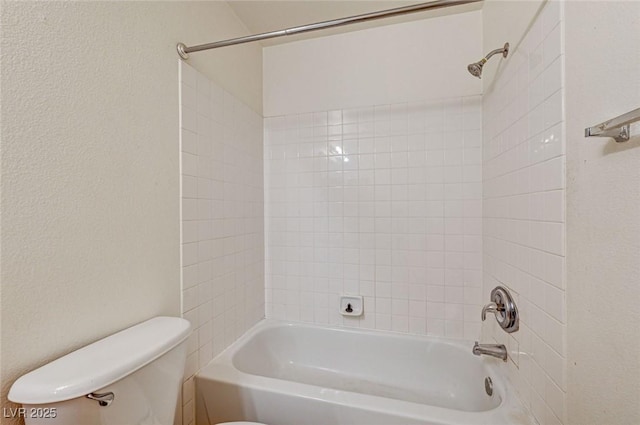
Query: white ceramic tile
222, 213
552, 45
373, 209
550, 16
523, 212
188, 75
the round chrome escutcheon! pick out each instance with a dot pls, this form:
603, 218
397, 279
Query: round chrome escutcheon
488, 386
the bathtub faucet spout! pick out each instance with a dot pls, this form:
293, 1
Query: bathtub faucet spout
493, 350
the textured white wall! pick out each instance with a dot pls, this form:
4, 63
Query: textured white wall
603, 200
90, 165
407, 62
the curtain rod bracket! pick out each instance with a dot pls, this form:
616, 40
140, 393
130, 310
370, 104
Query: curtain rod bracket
183, 55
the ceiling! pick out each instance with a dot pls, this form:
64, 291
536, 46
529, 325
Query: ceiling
268, 15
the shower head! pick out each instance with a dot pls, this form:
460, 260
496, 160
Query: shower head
475, 68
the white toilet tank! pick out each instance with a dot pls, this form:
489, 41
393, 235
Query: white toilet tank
134, 377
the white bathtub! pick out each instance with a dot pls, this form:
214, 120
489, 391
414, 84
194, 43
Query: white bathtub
297, 374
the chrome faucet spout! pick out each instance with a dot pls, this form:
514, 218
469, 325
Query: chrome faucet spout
494, 350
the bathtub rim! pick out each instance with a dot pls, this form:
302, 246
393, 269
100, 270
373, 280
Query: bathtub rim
222, 369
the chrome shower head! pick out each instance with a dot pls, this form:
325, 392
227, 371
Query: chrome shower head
475, 68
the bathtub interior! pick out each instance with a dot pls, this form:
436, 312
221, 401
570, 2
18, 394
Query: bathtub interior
418, 370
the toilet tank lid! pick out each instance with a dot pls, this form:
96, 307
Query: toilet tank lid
101, 363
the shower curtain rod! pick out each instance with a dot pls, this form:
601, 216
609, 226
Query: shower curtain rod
184, 50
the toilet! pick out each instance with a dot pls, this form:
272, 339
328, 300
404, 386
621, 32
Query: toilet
132, 377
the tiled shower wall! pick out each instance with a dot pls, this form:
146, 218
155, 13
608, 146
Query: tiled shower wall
222, 212
384, 202
524, 216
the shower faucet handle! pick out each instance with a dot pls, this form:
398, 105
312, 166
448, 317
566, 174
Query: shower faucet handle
489, 308
504, 308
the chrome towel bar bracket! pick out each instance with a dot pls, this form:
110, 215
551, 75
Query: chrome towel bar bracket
619, 127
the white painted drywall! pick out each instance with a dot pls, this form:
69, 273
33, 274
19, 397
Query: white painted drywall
504, 21
90, 165
603, 224
406, 62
